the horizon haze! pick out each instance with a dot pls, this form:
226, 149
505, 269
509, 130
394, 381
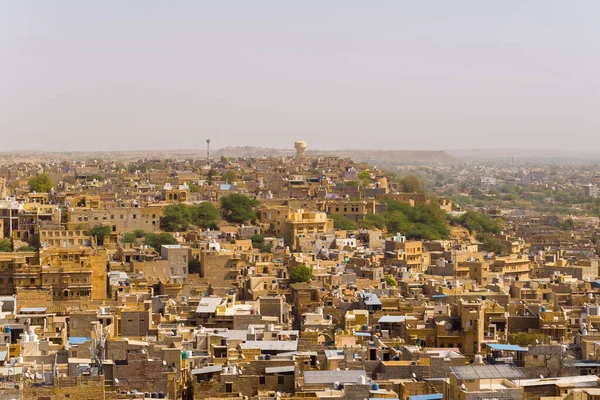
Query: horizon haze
149, 75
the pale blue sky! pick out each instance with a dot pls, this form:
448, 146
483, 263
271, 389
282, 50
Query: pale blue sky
338, 74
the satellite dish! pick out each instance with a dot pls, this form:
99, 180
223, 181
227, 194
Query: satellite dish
463, 386
164, 363
117, 381
541, 376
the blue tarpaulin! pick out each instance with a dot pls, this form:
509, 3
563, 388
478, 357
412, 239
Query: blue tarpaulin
75, 340
434, 396
506, 347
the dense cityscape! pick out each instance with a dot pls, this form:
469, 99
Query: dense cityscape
298, 276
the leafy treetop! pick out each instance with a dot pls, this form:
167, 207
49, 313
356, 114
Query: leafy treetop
41, 183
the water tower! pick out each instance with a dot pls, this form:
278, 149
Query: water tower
300, 147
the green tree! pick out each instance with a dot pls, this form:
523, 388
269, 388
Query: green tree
418, 222
129, 237
476, 193
156, 240
478, 223
26, 248
391, 282
6, 245
525, 339
178, 217
365, 175
97, 177
396, 221
238, 208
175, 218
41, 183
100, 232
210, 176
194, 266
139, 233
258, 242
300, 273
410, 184
141, 168
372, 221
567, 225
229, 176
495, 245
342, 222
205, 215
511, 197
194, 188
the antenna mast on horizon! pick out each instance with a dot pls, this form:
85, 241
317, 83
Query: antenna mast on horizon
208, 151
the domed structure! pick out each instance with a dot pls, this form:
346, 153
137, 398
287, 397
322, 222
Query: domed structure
300, 147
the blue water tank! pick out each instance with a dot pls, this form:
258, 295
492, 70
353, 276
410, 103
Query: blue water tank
374, 386
543, 308
7, 329
183, 298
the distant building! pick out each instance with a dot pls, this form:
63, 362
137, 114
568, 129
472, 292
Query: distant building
590, 190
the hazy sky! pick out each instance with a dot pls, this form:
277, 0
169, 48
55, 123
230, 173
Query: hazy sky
110, 75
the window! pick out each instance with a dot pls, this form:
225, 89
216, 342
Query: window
280, 379
228, 387
261, 380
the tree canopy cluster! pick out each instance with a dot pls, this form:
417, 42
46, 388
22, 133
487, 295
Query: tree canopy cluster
478, 223
179, 217
484, 227
238, 208
132, 237
391, 282
410, 184
155, 240
258, 242
525, 339
343, 223
41, 183
6, 246
494, 245
100, 232
300, 273
229, 176
418, 222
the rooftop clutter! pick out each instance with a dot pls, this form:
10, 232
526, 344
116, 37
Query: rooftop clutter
291, 277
